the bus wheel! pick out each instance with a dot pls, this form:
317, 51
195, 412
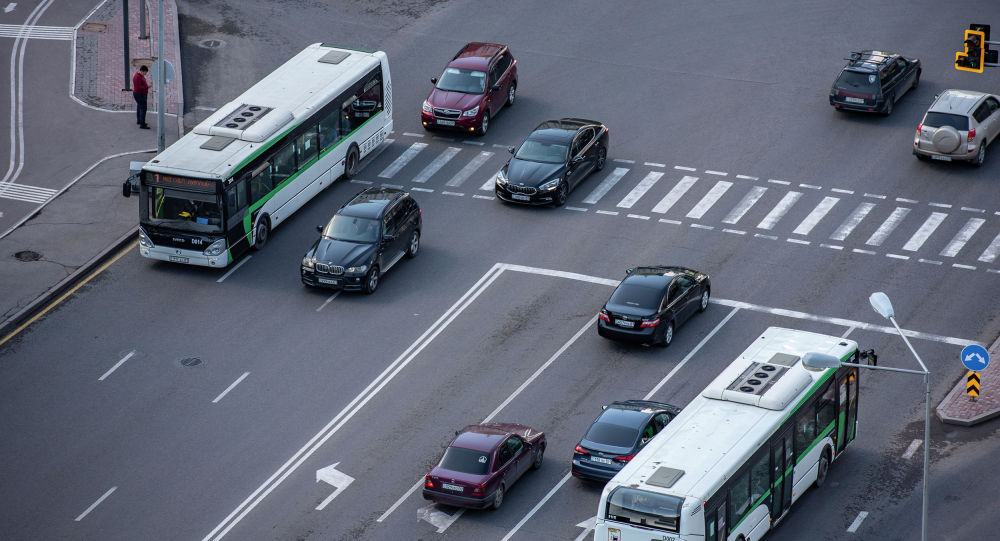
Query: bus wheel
824, 467
262, 233
351, 162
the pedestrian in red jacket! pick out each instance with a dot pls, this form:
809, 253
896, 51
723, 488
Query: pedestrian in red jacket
140, 91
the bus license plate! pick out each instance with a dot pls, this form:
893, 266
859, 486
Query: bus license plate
178, 259
446, 122
329, 281
626, 324
600, 459
520, 197
448, 486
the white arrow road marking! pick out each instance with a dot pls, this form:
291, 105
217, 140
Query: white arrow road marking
587, 525
438, 518
10, 7
339, 480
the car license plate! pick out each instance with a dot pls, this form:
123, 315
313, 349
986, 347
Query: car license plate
942, 158
449, 486
600, 459
178, 259
446, 122
854, 100
363, 115
627, 325
330, 281
520, 197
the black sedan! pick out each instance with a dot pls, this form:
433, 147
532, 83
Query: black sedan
555, 158
651, 302
366, 237
622, 429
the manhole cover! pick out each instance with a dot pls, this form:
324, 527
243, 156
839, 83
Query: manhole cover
100, 28
212, 43
27, 255
190, 361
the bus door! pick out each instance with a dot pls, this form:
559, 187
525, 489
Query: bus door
847, 391
782, 464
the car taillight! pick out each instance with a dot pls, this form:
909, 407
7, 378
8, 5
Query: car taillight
972, 135
581, 450
624, 458
920, 128
603, 315
478, 489
649, 323
428, 482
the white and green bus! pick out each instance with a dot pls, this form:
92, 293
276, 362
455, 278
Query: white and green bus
735, 459
221, 188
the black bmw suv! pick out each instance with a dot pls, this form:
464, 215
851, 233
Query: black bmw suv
872, 81
366, 237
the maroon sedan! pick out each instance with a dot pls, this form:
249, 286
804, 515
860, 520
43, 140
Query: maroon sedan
480, 80
480, 466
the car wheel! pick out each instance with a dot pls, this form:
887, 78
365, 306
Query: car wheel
537, 463
485, 124
981, 155
351, 162
261, 234
371, 280
498, 498
602, 156
704, 300
890, 101
562, 193
511, 94
668, 335
823, 468
411, 252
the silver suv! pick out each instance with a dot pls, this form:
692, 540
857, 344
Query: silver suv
958, 126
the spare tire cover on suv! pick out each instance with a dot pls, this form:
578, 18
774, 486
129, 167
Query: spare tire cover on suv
946, 139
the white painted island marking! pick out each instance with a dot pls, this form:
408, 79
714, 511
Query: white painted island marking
115, 367
95, 504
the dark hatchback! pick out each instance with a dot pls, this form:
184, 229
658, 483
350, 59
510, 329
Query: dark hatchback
363, 240
872, 81
651, 302
482, 463
622, 429
555, 158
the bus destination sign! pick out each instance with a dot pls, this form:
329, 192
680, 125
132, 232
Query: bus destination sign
183, 182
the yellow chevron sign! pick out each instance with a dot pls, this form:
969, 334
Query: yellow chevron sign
972, 384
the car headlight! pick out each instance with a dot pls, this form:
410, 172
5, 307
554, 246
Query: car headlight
216, 248
502, 178
472, 112
308, 262
144, 239
427, 107
550, 185
357, 270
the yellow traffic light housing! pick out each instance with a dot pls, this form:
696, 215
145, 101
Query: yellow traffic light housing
974, 56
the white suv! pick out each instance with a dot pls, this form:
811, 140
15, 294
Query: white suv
958, 126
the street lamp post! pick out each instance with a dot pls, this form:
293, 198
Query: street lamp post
817, 361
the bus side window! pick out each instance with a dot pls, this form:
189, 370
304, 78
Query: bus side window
805, 430
329, 130
283, 165
260, 184
306, 147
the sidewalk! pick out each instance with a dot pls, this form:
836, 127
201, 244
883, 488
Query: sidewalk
958, 408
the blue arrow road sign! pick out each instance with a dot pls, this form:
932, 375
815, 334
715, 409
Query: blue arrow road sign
975, 357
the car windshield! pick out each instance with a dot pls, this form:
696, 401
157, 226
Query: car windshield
637, 294
465, 460
352, 229
462, 80
184, 211
939, 120
857, 80
612, 434
536, 150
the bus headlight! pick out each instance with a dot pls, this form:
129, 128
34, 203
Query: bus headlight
144, 239
308, 263
472, 112
357, 270
216, 248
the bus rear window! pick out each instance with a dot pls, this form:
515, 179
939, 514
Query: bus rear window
643, 508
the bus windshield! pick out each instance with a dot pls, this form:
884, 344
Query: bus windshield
184, 211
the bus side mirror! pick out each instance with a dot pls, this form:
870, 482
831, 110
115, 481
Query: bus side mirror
126, 189
870, 357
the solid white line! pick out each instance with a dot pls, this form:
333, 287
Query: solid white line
691, 353
776, 181
95, 504
852, 221
608, 212
962, 237
745, 204
887, 227
709, 200
328, 301
914, 445
817, 214
230, 388
719, 173
640, 189
437, 164
487, 197
841, 190
682, 168
232, 270
402, 160
536, 508
675, 194
857, 522
779, 210
115, 367
605, 186
638, 216
924, 231
654, 164
875, 195
746, 177
470, 168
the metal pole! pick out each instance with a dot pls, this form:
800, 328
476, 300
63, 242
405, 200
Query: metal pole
142, 20
160, 69
128, 82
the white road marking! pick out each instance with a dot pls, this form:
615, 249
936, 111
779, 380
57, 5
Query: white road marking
375, 153
914, 445
746, 177
458, 194
490, 183
470, 168
438, 518
10, 7
476, 143
501, 146
356, 181
419, 189
831, 246
709, 200
776, 181
337, 479
810, 186
748, 201
994, 271
962, 237
924, 232
841, 190
672, 222
622, 160
95, 504
402, 160
860, 251
931, 261
703, 226
328, 301
605, 186
852, 221
779, 210
887, 227
817, 214
989, 255
654, 164
675, 193
115, 367
587, 526
719, 173
486, 197
232, 270
762, 236
907, 201
536, 508
396, 186
735, 231
608, 212
970, 209
966, 267
25, 31
23, 192
640, 189
857, 522
408, 134
231, 387
798, 241
897, 256
638, 216
578, 209
875, 196
940, 205
205, 108
682, 168
436, 164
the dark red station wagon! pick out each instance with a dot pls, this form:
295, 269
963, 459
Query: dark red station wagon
483, 462
480, 80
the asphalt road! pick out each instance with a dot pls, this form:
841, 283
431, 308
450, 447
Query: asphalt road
237, 387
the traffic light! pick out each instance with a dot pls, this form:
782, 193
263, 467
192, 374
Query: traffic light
975, 52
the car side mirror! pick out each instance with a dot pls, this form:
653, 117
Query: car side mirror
511, 150
319, 228
494, 88
389, 238
576, 160
434, 80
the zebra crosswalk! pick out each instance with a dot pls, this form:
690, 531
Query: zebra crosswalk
839, 219
22, 192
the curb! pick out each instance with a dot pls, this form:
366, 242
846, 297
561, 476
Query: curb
954, 395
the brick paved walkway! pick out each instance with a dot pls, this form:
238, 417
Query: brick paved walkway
957, 408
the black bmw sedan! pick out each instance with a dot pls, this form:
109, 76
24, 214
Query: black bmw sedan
651, 302
363, 240
555, 158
